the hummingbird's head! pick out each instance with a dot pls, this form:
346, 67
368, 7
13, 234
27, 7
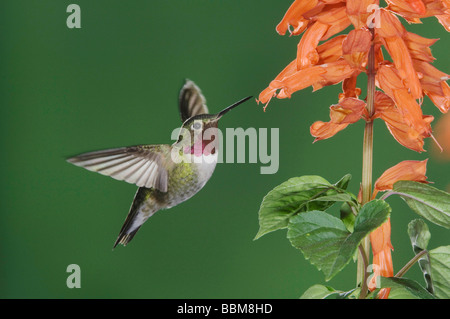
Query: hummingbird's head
202, 128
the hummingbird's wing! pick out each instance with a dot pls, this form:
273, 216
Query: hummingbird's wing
191, 101
141, 165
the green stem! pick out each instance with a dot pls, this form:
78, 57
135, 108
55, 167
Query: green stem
366, 183
363, 255
410, 263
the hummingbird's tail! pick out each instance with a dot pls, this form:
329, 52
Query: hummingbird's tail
141, 210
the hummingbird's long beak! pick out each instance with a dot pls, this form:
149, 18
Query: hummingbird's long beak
221, 113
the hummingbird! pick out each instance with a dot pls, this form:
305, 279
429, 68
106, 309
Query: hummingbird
167, 175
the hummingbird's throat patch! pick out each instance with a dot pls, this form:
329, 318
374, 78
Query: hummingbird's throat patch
202, 147
209, 146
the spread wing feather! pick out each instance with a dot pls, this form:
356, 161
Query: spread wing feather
141, 165
191, 101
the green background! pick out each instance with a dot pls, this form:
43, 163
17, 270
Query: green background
115, 82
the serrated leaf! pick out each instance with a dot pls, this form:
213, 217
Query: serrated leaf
294, 196
320, 237
370, 217
420, 236
427, 201
440, 271
411, 286
325, 241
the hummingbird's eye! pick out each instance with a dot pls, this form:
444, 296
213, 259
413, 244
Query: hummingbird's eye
196, 126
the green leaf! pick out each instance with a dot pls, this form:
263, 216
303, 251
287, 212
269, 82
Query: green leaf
325, 241
319, 236
347, 216
326, 292
429, 202
353, 294
342, 197
343, 182
371, 216
294, 196
420, 236
401, 293
319, 292
440, 271
411, 286
373, 294
344, 294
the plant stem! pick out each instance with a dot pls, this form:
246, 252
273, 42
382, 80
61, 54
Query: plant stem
410, 263
363, 256
366, 183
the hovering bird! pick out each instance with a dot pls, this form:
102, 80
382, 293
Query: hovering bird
167, 175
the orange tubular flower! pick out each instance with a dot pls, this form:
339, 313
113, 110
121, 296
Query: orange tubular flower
325, 59
349, 110
380, 238
419, 47
294, 17
331, 50
407, 7
404, 134
356, 46
335, 16
359, 12
403, 171
391, 34
306, 52
392, 84
414, 10
434, 85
